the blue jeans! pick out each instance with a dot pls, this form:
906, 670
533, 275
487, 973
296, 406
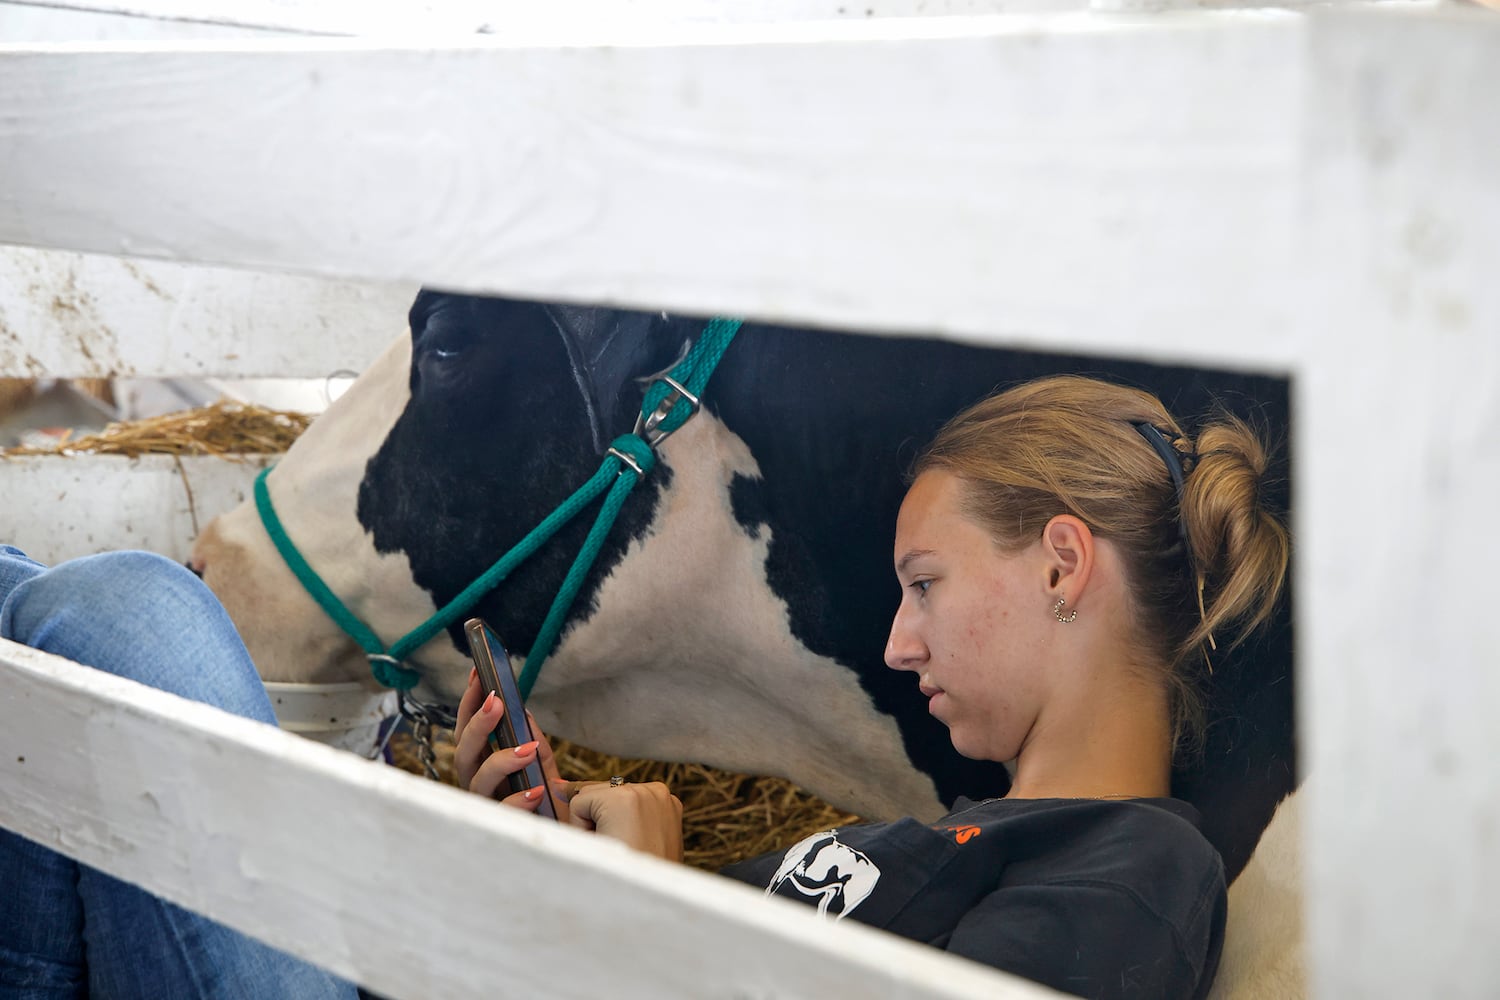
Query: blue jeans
67, 930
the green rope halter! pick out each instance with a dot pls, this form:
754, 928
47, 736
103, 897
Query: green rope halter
669, 401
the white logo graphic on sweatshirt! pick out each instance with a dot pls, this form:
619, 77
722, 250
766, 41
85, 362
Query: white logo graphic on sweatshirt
835, 874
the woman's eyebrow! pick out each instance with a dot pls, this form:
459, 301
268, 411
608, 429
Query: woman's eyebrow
907, 559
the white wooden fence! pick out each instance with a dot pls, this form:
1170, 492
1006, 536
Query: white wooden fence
1303, 191
71, 315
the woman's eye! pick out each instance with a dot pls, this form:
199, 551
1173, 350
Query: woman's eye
920, 586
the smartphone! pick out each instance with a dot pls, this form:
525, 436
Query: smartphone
493, 664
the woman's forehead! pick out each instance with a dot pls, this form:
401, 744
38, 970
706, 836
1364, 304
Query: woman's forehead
932, 517
935, 491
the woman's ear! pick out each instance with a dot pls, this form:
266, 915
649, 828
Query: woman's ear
1068, 555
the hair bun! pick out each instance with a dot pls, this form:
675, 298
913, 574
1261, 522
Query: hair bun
1240, 547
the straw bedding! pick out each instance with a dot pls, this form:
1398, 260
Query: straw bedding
726, 816
225, 429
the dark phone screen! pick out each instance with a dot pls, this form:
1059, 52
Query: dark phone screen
493, 664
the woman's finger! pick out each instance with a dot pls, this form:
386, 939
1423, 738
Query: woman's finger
548, 758
576, 793
472, 745
528, 800
469, 703
647, 816
490, 777
549, 769
573, 789
562, 796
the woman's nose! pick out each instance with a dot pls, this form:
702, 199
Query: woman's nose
904, 650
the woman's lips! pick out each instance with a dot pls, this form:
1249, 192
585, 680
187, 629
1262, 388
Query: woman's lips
930, 691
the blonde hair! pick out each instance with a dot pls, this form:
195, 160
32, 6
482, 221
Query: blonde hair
1071, 445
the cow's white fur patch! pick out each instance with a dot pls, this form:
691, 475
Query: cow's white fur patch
1264, 955
690, 655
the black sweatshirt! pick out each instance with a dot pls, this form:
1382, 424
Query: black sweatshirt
1092, 897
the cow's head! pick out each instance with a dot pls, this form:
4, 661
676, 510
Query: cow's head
391, 494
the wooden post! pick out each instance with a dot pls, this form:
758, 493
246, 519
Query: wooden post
1398, 467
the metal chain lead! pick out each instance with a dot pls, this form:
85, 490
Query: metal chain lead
422, 718
422, 733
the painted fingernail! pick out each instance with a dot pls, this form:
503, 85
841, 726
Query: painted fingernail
473, 674
532, 794
526, 749
489, 703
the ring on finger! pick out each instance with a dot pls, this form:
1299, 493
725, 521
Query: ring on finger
616, 781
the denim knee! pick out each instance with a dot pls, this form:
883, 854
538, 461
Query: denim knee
141, 616
15, 568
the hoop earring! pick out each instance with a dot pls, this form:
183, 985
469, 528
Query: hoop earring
1057, 612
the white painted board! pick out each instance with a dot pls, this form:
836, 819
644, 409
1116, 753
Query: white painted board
59, 507
1044, 180
49, 19
63, 307
330, 857
86, 315
46, 22
1398, 448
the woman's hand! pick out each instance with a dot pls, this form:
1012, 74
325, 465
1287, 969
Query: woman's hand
484, 772
646, 816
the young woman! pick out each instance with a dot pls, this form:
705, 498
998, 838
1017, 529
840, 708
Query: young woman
1066, 556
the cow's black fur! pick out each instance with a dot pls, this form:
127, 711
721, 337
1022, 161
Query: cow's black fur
511, 406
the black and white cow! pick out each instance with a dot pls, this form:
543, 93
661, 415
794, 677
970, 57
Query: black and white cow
739, 611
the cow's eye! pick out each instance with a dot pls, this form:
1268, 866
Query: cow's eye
444, 357
444, 343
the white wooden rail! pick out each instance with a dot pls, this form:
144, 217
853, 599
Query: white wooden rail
75, 315
413, 888
1311, 193
74, 19
204, 322
61, 508
719, 167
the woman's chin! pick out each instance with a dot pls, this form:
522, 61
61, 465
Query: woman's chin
965, 744
977, 746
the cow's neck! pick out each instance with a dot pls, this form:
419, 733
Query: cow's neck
650, 690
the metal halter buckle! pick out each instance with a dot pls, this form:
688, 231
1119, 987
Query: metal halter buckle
646, 428
639, 472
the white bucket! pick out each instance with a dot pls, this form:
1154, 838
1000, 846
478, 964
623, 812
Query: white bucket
347, 715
